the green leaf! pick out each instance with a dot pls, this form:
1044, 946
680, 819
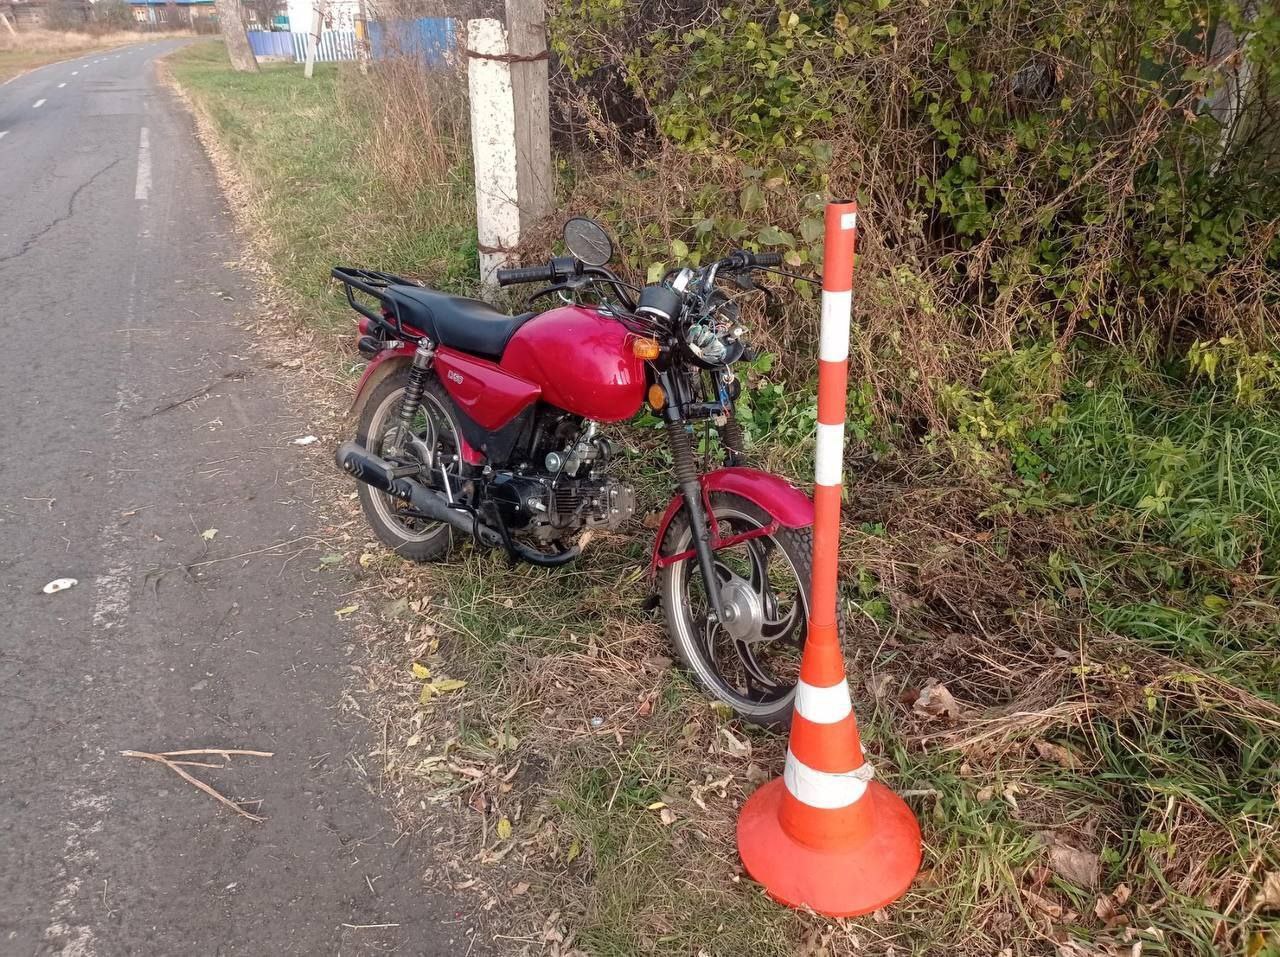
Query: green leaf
655, 272
679, 250
812, 228
773, 236
751, 198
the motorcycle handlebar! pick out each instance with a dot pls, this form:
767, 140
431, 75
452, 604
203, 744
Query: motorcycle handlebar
523, 274
745, 260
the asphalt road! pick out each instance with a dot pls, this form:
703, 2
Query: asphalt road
118, 300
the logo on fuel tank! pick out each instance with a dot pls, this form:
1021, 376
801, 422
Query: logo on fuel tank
455, 376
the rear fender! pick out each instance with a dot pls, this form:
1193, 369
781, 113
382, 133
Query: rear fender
787, 504
382, 367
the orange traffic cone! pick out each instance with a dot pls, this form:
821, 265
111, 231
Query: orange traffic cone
827, 835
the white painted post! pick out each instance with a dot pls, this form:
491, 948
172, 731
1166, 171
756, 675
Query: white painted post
493, 145
313, 39
7, 25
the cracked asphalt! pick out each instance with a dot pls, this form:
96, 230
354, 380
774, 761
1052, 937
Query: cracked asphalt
137, 418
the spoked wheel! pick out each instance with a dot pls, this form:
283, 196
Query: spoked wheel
751, 660
433, 441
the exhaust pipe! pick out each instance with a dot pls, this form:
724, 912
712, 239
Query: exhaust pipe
380, 474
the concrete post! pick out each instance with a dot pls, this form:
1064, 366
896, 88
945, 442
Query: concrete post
493, 145
313, 38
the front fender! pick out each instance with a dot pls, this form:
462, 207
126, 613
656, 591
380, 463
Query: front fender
775, 495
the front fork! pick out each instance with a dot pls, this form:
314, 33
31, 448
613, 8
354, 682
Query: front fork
681, 440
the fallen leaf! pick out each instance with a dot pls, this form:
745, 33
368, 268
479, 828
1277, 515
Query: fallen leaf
59, 584
413, 740
443, 686
1082, 868
209, 534
985, 794
1042, 904
504, 829
396, 609
333, 559
656, 806
521, 888
936, 701
735, 746
667, 816
421, 671
1056, 753
879, 685
366, 558
344, 612
575, 850
1269, 895
306, 440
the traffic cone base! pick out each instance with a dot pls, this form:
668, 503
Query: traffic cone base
843, 880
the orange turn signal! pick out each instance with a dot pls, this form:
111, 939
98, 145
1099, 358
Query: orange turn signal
645, 348
657, 398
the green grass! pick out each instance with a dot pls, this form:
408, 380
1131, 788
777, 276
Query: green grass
304, 150
1106, 592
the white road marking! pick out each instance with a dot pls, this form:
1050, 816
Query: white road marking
143, 185
37, 104
3, 134
75, 72
61, 85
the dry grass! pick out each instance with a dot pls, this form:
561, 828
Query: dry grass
28, 49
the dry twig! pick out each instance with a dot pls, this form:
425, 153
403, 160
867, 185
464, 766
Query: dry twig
174, 766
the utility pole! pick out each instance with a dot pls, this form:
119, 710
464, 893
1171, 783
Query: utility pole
313, 40
233, 34
510, 130
362, 37
527, 43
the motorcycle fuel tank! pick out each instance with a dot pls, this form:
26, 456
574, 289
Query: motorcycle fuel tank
582, 360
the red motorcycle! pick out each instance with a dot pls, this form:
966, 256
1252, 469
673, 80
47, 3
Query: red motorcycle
483, 424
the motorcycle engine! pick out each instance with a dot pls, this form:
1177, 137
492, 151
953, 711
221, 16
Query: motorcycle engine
573, 492
549, 506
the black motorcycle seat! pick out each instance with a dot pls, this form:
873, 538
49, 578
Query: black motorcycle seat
467, 325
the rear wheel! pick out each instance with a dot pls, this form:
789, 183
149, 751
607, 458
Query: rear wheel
752, 661
434, 441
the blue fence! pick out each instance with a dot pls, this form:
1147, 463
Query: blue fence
429, 39
271, 44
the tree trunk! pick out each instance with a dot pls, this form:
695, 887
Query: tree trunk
233, 33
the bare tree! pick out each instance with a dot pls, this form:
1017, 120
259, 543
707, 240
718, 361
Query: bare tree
233, 33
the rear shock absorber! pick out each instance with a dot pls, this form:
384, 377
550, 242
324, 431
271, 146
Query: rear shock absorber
411, 402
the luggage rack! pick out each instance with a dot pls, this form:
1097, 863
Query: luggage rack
374, 283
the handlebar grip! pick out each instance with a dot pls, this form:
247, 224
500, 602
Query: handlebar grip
521, 274
766, 260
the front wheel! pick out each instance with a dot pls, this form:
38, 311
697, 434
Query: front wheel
751, 661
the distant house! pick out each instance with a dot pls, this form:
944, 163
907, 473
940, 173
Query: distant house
338, 14
39, 13
174, 13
